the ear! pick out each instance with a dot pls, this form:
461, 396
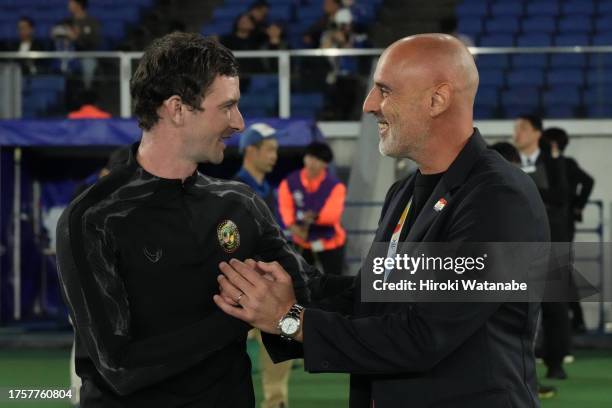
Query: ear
440, 99
173, 110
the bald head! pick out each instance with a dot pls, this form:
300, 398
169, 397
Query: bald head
423, 96
435, 59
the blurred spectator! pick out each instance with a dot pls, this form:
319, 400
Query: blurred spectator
83, 30
507, 151
344, 84
543, 162
80, 32
88, 109
312, 37
580, 186
259, 15
275, 38
311, 203
242, 38
27, 43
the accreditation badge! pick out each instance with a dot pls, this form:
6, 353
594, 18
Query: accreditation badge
228, 236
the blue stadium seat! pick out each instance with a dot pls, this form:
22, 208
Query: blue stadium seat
482, 112
566, 95
492, 61
540, 24
507, 8
492, 77
597, 95
311, 100
565, 76
534, 40
604, 22
53, 83
574, 7
575, 24
309, 13
487, 95
525, 77
521, 96
568, 60
266, 101
261, 82
604, 7
599, 76
229, 12
599, 111
513, 111
469, 25
600, 60
218, 28
279, 12
602, 38
560, 111
503, 25
472, 9
307, 113
569, 40
496, 40
252, 112
543, 8
529, 60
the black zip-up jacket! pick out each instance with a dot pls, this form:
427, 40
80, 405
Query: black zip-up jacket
138, 260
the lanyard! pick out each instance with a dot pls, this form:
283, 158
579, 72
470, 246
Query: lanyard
393, 244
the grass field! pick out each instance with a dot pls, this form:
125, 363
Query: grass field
589, 385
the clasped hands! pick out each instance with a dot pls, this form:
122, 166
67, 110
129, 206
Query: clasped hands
258, 293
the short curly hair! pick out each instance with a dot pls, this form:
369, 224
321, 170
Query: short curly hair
183, 64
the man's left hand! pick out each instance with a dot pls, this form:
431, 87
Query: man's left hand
263, 291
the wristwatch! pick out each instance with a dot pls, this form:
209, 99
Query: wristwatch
290, 323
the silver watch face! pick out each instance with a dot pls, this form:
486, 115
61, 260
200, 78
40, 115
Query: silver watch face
290, 326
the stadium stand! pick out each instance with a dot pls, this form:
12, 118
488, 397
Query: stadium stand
566, 82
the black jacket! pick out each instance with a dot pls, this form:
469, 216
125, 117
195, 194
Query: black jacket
138, 260
459, 355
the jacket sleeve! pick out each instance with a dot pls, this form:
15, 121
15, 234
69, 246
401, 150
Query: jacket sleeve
416, 338
99, 307
286, 206
584, 180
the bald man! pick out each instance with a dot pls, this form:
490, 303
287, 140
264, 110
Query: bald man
417, 355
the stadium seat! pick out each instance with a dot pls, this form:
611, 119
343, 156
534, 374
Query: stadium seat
602, 38
539, 24
599, 76
534, 40
472, 9
600, 60
507, 25
597, 95
529, 60
261, 82
575, 24
570, 40
310, 100
574, 7
493, 77
499, 61
280, 13
487, 95
525, 77
567, 95
559, 111
53, 83
484, 111
604, 22
309, 13
604, 7
526, 96
507, 9
599, 111
568, 60
497, 40
469, 25
543, 8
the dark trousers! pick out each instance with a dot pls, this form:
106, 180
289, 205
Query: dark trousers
556, 332
332, 261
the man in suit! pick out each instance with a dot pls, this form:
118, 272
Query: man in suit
545, 165
26, 29
418, 354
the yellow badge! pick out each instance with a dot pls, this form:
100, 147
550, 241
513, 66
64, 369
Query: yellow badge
228, 236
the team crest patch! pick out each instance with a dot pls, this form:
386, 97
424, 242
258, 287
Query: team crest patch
228, 236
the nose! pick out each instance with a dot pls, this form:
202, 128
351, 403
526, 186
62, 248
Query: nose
371, 103
237, 121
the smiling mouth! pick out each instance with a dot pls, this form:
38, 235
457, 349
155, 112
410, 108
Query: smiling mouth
382, 126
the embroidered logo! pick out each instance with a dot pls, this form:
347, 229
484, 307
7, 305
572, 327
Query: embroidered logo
228, 236
440, 205
152, 256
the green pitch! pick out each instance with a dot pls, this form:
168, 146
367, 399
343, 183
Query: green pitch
589, 385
